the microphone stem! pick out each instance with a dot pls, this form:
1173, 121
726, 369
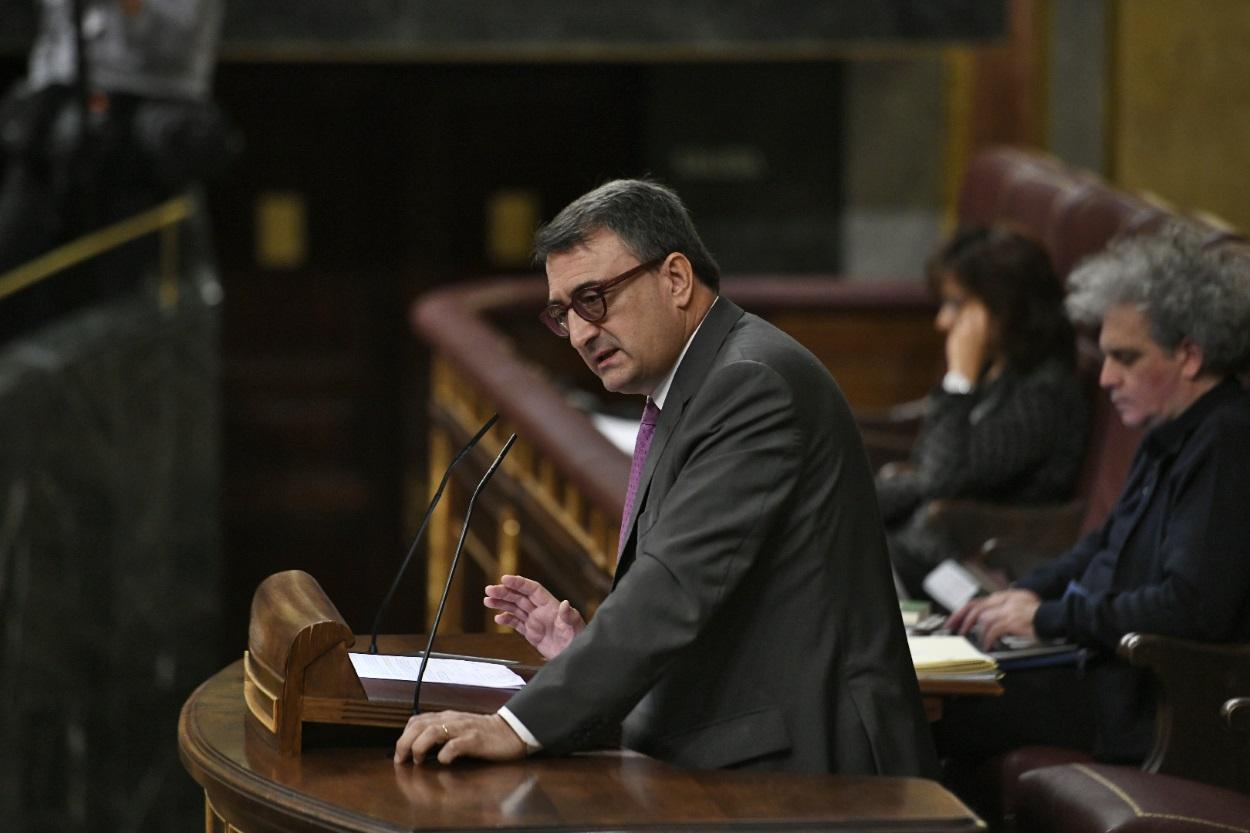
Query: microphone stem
451, 572
429, 512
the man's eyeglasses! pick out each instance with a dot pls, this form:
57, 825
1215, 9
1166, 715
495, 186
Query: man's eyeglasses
590, 302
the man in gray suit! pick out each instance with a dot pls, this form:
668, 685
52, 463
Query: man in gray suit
753, 620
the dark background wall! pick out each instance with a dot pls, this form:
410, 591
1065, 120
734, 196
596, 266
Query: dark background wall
110, 568
396, 166
394, 128
394, 137
523, 28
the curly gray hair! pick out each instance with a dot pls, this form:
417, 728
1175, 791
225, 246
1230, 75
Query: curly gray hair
1183, 289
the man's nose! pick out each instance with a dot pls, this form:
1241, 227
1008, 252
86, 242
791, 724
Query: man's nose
580, 330
1108, 376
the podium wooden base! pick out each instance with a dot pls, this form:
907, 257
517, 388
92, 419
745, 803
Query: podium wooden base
346, 787
296, 671
290, 739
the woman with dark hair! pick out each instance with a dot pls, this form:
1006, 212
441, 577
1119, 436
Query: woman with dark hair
1008, 421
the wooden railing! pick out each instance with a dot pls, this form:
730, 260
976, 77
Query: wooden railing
553, 511
165, 219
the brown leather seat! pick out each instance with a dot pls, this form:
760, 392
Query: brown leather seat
1104, 798
1005, 774
1201, 753
1074, 214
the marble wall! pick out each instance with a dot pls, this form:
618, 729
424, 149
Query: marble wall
109, 560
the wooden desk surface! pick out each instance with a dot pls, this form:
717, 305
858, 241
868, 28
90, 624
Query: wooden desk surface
934, 690
355, 788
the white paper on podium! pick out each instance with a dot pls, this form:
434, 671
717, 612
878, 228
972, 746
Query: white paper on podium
451, 671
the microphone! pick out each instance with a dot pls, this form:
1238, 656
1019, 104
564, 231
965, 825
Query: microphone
451, 571
403, 567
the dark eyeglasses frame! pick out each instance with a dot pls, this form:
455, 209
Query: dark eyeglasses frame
556, 315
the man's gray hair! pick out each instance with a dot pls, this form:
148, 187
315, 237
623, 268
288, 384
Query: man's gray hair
1184, 289
649, 218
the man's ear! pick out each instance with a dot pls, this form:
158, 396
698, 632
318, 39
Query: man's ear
1192, 358
678, 274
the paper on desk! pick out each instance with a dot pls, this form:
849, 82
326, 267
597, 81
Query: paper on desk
948, 654
451, 671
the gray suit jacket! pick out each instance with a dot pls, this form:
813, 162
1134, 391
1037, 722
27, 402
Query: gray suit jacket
753, 620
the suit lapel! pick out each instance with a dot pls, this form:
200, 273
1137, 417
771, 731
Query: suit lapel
690, 375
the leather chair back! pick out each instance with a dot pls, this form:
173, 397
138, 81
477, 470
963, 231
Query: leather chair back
1074, 214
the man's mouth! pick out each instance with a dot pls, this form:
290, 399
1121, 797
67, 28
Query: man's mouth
602, 356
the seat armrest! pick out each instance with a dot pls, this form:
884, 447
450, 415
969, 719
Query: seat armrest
1010, 539
1236, 713
903, 417
1195, 682
890, 433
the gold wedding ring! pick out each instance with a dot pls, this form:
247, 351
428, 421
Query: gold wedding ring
445, 732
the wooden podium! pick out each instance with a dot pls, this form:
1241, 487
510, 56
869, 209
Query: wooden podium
243, 736
249, 787
296, 670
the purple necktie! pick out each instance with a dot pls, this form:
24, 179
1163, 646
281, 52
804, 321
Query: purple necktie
646, 430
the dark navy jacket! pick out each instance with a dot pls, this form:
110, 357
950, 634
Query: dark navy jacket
1172, 558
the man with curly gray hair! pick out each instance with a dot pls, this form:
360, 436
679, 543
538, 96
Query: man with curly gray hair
1189, 299
1170, 558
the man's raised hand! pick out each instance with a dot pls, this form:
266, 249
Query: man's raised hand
528, 608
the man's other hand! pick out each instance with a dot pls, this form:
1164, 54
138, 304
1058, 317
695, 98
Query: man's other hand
457, 734
1005, 613
546, 623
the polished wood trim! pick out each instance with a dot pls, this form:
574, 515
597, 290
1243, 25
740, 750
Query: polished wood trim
946, 687
262, 699
330, 789
564, 484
